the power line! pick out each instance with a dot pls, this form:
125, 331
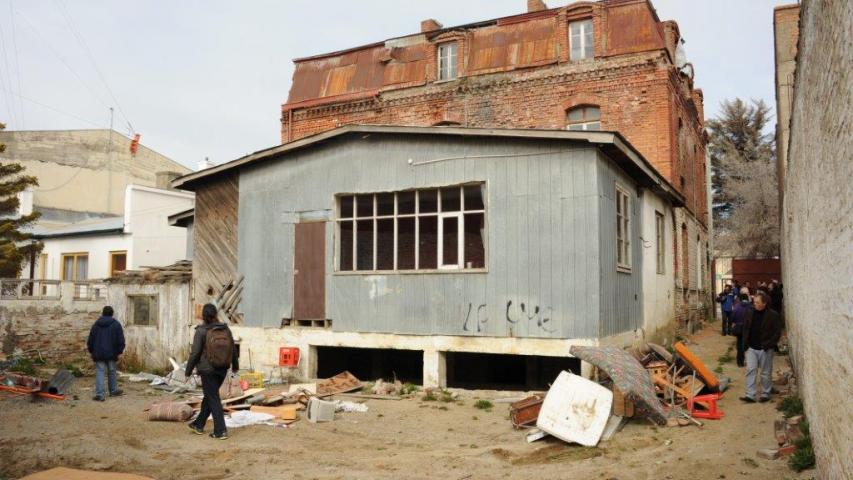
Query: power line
36, 102
82, 42
17, 63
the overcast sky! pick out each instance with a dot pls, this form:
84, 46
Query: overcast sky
201, 78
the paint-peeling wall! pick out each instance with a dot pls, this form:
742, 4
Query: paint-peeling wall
542, 239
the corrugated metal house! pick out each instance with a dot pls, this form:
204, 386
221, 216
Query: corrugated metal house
432, 245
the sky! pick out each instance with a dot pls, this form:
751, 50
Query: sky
206, 78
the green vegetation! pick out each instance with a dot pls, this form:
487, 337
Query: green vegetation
791, 406
408, 388
73, 369
803, 457
719, 369
750, 462
429, 397
483, 405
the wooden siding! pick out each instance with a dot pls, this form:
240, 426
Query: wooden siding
621, 292
215, 236
542, 237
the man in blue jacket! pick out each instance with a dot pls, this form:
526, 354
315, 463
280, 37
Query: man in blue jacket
726, 299
106, 343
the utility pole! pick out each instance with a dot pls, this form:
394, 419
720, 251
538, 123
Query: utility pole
109, 165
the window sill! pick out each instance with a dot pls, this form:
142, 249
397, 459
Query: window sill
621, 269
446, 80
411, 272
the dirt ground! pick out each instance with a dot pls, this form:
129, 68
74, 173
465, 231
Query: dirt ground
394, 439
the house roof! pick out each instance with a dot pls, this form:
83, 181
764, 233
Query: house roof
104, 226
612, 144
181, 219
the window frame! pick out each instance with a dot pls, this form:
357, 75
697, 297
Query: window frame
75, 256
452, 48
416, 215
623, 225
585, 122
660, 243
112, 265
583, 24
131, 306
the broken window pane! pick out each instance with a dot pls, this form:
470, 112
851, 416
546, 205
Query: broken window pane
345, 251
346, 207
385, 204
385, 244
428, 201
428, 242
475, 240
364, 205
364, 245
474, 197
406, 243
450, 241
450, 199
406, 203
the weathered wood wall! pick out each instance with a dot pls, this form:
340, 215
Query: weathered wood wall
215, 236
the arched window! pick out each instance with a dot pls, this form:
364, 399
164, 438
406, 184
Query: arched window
584, 117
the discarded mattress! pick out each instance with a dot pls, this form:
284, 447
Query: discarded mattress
628, 375
575, 410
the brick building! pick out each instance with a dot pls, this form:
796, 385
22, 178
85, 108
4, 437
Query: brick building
609, 65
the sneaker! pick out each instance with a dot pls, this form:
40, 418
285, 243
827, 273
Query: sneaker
747, 399
764, 399
195, 430
117, 393
98, 398
221, 436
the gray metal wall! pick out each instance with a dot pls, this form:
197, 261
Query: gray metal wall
621, 293
542, 237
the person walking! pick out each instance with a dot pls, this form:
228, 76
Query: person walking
105, 345
726, 299
761, 332
212, 353
739, 313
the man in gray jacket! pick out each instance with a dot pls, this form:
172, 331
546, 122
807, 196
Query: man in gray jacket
212, 353
761, 332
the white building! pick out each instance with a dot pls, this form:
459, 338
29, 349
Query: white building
97, 248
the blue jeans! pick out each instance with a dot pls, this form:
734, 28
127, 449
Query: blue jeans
100, 367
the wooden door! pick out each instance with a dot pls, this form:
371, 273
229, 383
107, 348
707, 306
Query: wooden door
309, 275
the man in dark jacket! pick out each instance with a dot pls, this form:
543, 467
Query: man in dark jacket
761, 332
105, 344
212, 376
741, 311
726, 299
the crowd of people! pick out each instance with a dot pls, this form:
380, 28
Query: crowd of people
754, 317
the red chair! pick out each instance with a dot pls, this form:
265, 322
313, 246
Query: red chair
708, 401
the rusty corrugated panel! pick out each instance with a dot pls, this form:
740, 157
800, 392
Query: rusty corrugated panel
632, 28
515, 45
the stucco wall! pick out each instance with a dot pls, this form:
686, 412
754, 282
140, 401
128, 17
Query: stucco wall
154, 241
98, 248
817, 230
658, 288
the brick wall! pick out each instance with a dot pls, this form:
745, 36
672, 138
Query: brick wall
693, 303
817, 230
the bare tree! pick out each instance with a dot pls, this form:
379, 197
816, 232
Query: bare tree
743, 164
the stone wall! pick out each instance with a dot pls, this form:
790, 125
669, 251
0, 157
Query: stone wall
817, 230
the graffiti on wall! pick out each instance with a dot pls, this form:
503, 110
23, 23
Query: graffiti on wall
532, 316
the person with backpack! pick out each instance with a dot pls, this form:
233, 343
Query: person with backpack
212, 353
105, 344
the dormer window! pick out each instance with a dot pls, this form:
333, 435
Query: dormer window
580, 40
447, 61
586, 117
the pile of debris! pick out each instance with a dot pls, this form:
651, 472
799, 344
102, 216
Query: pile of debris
181, 271
276, 405
665, 388
54, 388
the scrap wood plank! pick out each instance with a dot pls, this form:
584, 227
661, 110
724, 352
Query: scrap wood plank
697, 365
284, 412
340, 383
369, 397
246, 394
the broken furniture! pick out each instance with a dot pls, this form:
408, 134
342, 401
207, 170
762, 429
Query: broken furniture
575, 409
525, 412
697, 366
710, 402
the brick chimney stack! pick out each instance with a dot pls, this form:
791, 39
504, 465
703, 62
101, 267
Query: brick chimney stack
429, 25
536, 6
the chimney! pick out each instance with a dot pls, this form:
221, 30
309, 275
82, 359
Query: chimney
429, 25
536, 6
202, 164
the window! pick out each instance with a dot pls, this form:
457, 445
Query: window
75, 266
447, 61
143, 310
428, 229
118, 262
660, 245
623, 230
42, 263
699, 265
583, 118
580, 40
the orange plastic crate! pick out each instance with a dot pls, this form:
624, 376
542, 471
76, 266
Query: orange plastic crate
288, 356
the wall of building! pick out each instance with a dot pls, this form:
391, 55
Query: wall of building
785, 32
215, 237
98, 247
817, 230
658, 289
693, 302
154, 241
71, 164
542, 239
